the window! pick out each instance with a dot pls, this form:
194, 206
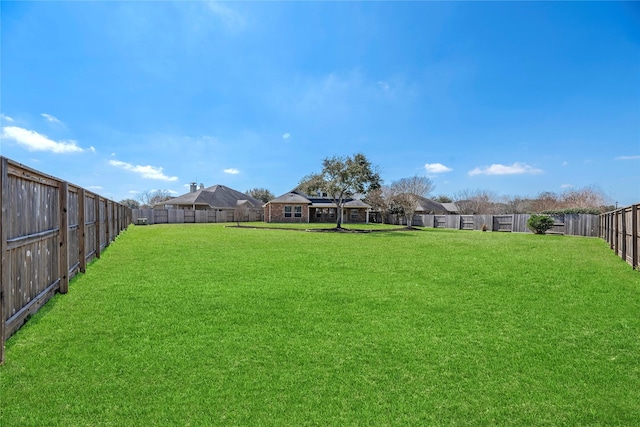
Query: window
318, 213
298, 212
287, 211
354, 214
332, 213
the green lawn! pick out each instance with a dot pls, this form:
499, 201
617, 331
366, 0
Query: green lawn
209, 325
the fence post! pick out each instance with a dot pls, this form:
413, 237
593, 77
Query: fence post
4, 279
634, 236
63, 237
82, 250
623, 243
98, 224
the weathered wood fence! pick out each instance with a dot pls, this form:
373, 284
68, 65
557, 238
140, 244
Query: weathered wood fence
183, 216
568, 224
50, 231
620, 230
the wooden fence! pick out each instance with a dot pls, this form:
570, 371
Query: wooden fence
50, 231
619, 229
568, 224
182, 216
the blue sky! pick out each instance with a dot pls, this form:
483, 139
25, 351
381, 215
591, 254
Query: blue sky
515, 98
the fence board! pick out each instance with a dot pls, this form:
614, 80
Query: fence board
187, 216
49, 230
620, 230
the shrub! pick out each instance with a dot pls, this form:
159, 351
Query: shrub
539, 224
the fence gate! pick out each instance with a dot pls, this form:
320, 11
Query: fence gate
466, 222
503, 223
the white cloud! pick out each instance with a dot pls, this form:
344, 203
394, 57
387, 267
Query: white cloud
134, 192
383, 85
566, 186
286, 135
149, 172
628, 157
94, 187
498, 169
232, 171
50, 118
7, 118
565, 163
227, 15
436, 168
34, 141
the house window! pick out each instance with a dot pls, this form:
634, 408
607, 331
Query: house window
354, 214
298, 212
287, 211
332, 213
318, 213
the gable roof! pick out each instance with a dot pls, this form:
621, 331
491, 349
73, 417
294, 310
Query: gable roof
298, 197
217, 196
291, 197
450, 207
429, 206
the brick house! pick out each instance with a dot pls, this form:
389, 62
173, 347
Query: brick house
296, 206
226, 201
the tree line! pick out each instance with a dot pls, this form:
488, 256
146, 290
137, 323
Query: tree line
343, 178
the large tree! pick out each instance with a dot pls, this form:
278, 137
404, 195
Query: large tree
342, 178
261, 194
130, 203
149, 198
379, 200
476, 202
406, 193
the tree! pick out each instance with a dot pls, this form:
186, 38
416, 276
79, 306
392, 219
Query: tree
130, 203
547, 200
242, 211
584, 198
149, 198
442, 198
516, 205
261, 194
380, 201
342, 178
406, 193
480, 202
539, 224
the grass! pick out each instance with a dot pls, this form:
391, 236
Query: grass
206, 325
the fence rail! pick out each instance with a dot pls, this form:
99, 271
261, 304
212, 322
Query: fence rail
568, 224
620, 230
185, 216
50, 231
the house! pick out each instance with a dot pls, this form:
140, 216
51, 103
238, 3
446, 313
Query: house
296, 206
427, 206
218, 198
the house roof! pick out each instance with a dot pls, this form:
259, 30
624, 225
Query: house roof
450, 207
217, 196
429, 206
291, 197
298, 197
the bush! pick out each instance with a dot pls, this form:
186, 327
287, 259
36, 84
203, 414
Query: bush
591, 211
539, 224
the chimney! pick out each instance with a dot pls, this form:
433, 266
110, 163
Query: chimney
192, 187
202, 186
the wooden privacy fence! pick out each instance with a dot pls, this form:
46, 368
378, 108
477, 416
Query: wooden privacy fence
50, 231
184, 216
619, 229
568, 224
